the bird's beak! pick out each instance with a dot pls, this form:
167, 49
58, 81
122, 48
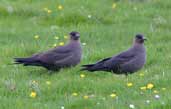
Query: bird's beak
76, 37
145, 39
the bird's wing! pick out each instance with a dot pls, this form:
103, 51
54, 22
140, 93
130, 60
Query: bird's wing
125, 56
120, 59
55, 55
103, 60
97, 63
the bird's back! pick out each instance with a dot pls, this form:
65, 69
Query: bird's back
63, 56
137, 62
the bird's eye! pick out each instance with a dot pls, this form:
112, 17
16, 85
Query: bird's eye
139, 37
73, 34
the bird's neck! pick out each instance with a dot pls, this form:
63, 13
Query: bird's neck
138, 46
74, 41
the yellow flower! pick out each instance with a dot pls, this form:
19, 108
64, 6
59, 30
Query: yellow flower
48, 82
36, 36
155, 91
82, 75
74, 94
61, 43
129, 84
85, 97
54, 45
49, 11
34, 82
65, 37
56, 37
60, 7
114, 5
45, 9
141, 74
143, 88
163, 88
33, 94
113, 95
150, 86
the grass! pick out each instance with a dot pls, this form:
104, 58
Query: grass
106, 33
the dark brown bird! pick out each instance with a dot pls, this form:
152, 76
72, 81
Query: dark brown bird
57, 58
126, 62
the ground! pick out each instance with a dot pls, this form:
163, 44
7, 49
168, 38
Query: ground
107, 27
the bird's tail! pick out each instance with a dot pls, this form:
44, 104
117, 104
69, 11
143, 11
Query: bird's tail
92, 67
26, 61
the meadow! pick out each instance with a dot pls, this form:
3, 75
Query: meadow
107, 27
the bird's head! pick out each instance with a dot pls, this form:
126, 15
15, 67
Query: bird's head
74, 35
139, 38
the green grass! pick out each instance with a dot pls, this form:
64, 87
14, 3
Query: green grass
107, 32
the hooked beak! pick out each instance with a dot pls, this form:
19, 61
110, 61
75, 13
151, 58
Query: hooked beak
76, 37
145, 39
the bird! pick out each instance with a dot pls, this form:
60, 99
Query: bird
126, 62
59, 57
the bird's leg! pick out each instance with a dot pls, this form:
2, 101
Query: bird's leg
127, 79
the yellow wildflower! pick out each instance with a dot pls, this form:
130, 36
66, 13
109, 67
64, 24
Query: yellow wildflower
61, 43
49, 11
36, 36
56, 37
150, 86
155, 91
85, 97
45, 9
163, 88
141, 74
74, 94
82, 75
129, 84
48, 82
143, 88
34, 82
54, 45
33, 94
60, 7
65, 37
114, 5
113, 95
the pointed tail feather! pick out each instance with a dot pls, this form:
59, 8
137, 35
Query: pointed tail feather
92, 67
25, 61
88, 65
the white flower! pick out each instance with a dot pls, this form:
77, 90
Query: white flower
10, 9
83, 44
147, 101
131, 106
62, 107
157, 96
89, 16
